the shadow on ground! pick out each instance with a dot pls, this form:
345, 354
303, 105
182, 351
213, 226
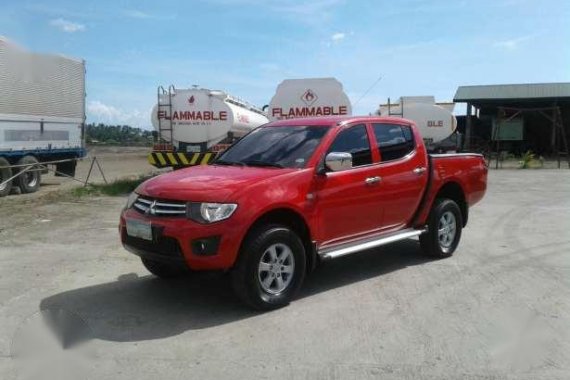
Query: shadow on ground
141, 308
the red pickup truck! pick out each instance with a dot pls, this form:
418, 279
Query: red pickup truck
293, 193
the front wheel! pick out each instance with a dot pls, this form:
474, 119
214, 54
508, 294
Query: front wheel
270, 268
444, 229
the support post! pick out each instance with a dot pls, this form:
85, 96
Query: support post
89, 173
468, 125
94, 161
497, 133
553, 142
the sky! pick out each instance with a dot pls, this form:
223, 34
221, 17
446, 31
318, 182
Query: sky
247, 47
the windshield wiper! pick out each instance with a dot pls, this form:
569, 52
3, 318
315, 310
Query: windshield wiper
228, 163
263, 163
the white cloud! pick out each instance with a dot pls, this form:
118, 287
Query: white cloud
137, 14
100, 112
511, 44
337, 37
67, 26
140, 15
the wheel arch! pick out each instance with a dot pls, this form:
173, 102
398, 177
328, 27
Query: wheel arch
454, 191
11, 160
296, 222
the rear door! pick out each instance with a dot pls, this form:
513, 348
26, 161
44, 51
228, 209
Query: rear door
403, 169
350, 201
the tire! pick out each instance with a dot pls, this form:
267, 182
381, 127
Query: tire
270, 268
5, 173
163, 270
445, 215
29, 182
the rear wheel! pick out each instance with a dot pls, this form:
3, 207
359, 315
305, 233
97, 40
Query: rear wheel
163, 270
444, 229
29, 181
5, 173
270, 268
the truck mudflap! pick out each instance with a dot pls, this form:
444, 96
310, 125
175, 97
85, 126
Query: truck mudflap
180, 159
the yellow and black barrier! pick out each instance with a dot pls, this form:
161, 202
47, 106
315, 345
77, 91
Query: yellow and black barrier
179, 159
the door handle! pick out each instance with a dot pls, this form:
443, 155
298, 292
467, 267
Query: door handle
372, 180
419, 171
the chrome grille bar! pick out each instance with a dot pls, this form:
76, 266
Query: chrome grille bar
160, 208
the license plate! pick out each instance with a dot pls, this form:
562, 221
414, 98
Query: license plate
139, 229
193, 149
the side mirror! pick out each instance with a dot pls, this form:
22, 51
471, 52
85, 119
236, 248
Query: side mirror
338, 161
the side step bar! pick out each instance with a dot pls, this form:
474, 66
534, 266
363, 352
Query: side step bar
361, 245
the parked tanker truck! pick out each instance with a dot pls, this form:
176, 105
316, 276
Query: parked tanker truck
195, 124
42, 114
311, 97
435, 120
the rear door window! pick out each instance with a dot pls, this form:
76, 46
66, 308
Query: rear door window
394, 141
354, 140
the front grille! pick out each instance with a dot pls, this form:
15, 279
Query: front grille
159, 207
165, 246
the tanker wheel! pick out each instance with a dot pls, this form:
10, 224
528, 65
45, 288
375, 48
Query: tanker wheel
5, 173
29, 181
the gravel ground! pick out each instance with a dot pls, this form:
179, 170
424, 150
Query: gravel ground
498, 309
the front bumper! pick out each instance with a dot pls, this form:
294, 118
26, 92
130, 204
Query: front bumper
182, 241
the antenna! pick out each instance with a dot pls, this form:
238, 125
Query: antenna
367, 91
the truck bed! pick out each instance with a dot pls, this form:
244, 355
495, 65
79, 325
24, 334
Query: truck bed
466, 172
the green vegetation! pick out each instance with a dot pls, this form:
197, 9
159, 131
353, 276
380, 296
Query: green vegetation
121, 186
123, 135
526, 160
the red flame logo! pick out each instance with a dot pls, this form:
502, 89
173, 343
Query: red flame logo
191, 100
309, 97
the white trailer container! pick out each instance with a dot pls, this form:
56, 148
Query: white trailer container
436, 121
310, 97
42, 113
196, 122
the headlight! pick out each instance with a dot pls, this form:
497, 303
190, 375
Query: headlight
132, 199
210, 212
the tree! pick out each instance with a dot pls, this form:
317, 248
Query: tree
117, 135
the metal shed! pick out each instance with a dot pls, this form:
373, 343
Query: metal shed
517, 117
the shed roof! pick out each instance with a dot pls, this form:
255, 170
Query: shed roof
539, 91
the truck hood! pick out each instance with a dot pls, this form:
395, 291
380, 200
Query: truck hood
207, 183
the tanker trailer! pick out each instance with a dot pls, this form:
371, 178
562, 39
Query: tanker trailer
309, 97
435, 121
193, 125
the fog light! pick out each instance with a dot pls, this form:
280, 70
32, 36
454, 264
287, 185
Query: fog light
207, 246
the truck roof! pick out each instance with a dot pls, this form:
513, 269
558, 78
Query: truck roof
337, 120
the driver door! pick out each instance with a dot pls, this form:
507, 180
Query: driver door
349, 201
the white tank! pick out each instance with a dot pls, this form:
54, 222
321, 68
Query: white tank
201, 118
311, 97
435, 121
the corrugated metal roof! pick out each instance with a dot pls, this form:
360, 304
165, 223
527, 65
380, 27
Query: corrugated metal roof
512, 91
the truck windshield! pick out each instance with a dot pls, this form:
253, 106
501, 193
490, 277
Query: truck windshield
280, 147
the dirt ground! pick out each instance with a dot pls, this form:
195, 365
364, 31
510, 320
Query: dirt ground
498, 309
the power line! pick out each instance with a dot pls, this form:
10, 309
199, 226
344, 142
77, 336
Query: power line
367, 91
